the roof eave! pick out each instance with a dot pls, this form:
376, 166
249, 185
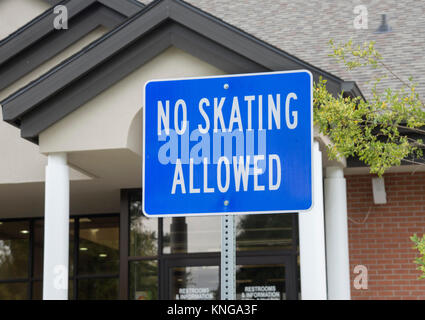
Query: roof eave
38, 41
258, 56
127, 7
351, 88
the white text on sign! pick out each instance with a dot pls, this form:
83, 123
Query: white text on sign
232, 141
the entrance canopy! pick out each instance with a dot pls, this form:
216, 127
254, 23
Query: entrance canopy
153, 29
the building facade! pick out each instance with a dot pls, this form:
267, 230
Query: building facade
71, 164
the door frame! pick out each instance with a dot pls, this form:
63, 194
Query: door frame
186, 260
289, 261
291, 253
242, 258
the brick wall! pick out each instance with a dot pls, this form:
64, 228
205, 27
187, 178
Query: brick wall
382, 242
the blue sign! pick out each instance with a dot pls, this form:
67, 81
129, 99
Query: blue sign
228, 145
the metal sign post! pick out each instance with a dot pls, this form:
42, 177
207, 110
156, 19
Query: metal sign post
228, 258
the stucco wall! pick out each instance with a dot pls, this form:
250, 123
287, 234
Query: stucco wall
103, 139
105, 121
20, 160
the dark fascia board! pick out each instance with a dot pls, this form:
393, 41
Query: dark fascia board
125, 7
356, 163
128, 60
55, 42
351, 88
353, 162
37, 29
254, 55
82, 62
38, 41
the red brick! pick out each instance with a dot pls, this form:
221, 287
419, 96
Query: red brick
383, 243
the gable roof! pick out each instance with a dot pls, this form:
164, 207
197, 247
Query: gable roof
159, 25
38, 41
303, 28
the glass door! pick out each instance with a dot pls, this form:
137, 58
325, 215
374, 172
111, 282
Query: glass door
192, 279
194, 283
265, 278
257, 278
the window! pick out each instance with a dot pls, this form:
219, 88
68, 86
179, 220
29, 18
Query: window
13, 290
93, 259
260, 282
14, 249
97, 260
264, 232
98, 246
144, 280
143, 232
179, 257
153, 258
15, 273
98, 289
193, 234
143, 251
195, 283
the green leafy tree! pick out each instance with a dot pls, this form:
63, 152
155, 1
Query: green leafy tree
420, 246
377, 131
374, 131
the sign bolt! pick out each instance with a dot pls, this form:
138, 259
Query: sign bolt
226, 203
226, 86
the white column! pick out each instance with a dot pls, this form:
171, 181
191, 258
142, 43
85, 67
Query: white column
337, 258
312, 239
56, 228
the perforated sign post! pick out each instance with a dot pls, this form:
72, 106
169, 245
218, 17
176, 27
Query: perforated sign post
228, 145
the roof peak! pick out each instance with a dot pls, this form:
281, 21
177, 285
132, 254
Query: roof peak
161, 24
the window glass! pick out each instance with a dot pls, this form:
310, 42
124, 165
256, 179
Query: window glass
99, 240
192, 234
264, 232
99, 245
143, 280
98, 289
195, 283
143, 232
71, 246
38, 246
260, 282
14, 291
37, 290
14, 249
298, 277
